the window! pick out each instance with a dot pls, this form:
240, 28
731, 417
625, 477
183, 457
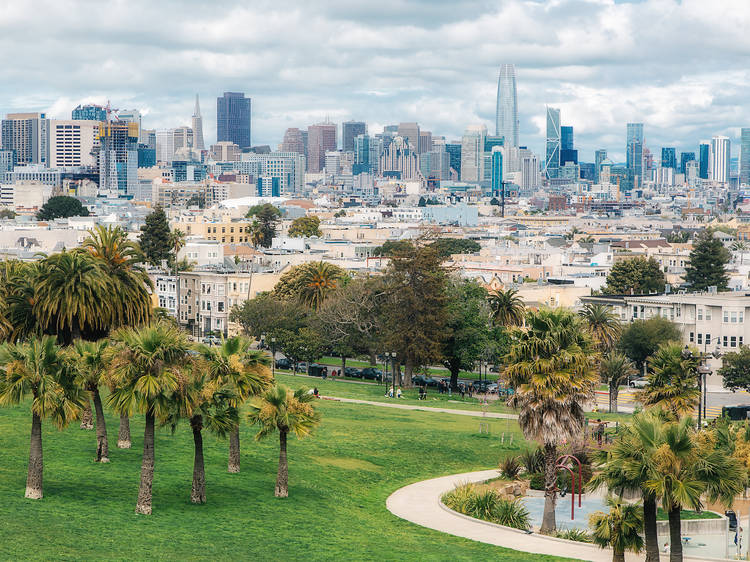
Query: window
708, 313
678, 312
708, 339
635, 312
733, 341
733, 317
700, 313
726, 316
740, 341
692, 337
726, 341
220, 306
220, 289
742, 316
700, 339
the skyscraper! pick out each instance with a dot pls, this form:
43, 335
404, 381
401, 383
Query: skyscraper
90, 112
704, 155
349, 131
410, 133
668, 157
454, 156
28, 135
634, 152
496, 179
472, 153
720, 153
599, 157
567, 151
198, 126
745, 155
321, 138
506, 116
552, 159
685, 157
293, 141
233, 111
118, 158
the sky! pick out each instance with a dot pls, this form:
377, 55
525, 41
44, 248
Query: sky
679, 66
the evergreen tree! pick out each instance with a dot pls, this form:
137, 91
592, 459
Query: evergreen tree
707, 261
636, 276
266, 217
155, 239
61, 206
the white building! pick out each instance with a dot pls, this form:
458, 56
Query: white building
73, 143
719, 161
472, 153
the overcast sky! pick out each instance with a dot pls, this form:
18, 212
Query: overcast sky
681, 67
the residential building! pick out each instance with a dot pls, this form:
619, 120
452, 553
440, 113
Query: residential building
7, 160
118, 158
288, 167
233, 116
321, 138
552, 159
349, 131
28, 135
506, 113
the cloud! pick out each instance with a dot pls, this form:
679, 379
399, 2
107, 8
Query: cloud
678, 66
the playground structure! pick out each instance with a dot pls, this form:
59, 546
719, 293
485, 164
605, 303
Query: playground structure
562, 464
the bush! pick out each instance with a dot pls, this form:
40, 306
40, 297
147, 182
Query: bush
574, 535
510, 467
458, 498
483, 505
532, 460
488, 505
513, 513
536, 481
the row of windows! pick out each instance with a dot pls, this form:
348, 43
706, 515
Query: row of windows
705, 339
734, 316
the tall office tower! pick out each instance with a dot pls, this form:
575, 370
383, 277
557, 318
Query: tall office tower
472, 153
410, 133
566, 137
367, 152
399, 160
552, 159
599, 157
425, 142
28, 135
165, 146
132, 116
225, 151
434, 165
506, 116
321, 138
496, 167
745, 156
349, 131
634, 152
685, 157
233, 111
73, 143
198, 126
293, 141
90, 112
454, 156
184, 137
529, 172
118, 158
704, 159
720, 154
668, 157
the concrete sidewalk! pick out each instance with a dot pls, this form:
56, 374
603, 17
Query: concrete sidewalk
475, 414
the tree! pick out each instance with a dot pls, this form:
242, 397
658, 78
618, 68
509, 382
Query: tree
740, 246
494, 202
38, 370
148, 365
635, 276
551, 367
672, 380
18, 296
263, 229
309, 283
305, 227
506, 308
467, 327
269, 315
422, 202
707, 263
155, 242
303, 345
242, 371
641, 338
446, 247
619, 529
7, 214
603, 324
615, 368
389, 247
61, 206
91, 369
286, 411
735, 369
197, 201
678, 236
340, 213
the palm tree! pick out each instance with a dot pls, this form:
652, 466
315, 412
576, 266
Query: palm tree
318, 280
614, 369
38, 370
286, 411
242, 369
672, 380
507, 308
91, 369
740, 247
148, 365
603, 324
17, 296
551, 368
619, 529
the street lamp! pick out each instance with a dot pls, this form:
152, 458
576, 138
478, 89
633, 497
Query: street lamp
273, 357
393, 368
703, 371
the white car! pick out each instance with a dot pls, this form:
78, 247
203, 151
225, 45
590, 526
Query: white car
640, 382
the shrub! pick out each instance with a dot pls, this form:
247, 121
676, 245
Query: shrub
532, 460
536, 481
574, 535
513, 513
458, 498
488, 505
510, 467
483, 505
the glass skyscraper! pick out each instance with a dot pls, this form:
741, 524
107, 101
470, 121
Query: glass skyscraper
634, 151
506, 116
668, 157
552, 158
349, 131
685, 157
599, 157
233, 119
704, 153
745, 155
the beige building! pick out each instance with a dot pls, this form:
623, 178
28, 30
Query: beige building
221, 229
73, 143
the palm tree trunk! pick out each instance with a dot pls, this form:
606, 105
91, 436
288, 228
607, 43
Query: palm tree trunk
123, 438
550, 485
102, 443
147, 467
675, 534
649, 529
234, 450
282, 478
614, 392
198, 492
35, 476
618, 556
87, 417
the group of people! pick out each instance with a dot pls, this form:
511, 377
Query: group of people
390, 393
462, 388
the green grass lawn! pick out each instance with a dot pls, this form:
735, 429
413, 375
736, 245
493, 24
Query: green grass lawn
339, 481
662, 515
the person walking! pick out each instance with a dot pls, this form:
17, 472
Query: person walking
398, 392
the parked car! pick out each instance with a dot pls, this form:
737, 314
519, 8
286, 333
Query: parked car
639, 382
353, 372
302, 366
431, 381
317, 370
212, 340
419, 380
283, 363
736, 413
492, 388
371, 373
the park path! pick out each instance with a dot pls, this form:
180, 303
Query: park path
473, 413
420, 504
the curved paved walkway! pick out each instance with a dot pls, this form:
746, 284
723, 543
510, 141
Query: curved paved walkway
472, 413
420, 504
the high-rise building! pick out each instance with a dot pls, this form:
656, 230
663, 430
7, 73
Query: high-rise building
349, 131
287, 167
720, 159
118, 158
233, 114
566, 137
28, 135
410, 133
425, 142
184, 137
225, 151
454, 156
529, 172
745, 155
552, 159
73, 143
434, 165
293, 141
165, 146
506, 116
367, 152
198, 142
634, 152
90, 112
400, 161
685, 157
668, 157
472, 153
704, 162
321, 138
496, 165
7, 161
599, 157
